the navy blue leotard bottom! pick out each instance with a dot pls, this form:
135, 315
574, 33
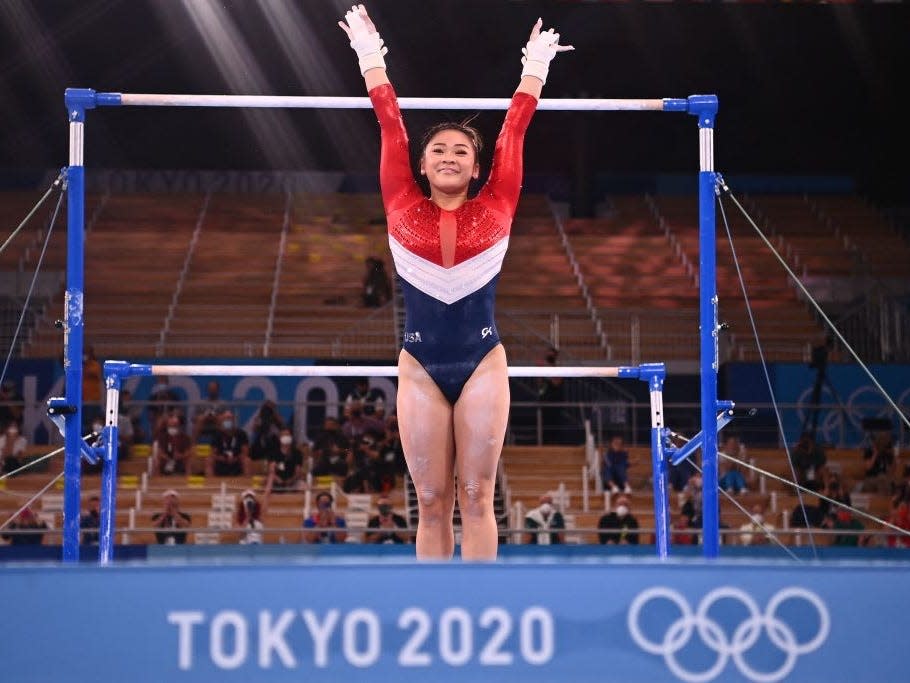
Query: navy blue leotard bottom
450, 340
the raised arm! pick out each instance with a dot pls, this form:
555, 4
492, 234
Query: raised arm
368, 45
504, 184
537, 54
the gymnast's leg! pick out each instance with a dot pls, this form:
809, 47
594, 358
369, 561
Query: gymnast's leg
481, 415
425, 424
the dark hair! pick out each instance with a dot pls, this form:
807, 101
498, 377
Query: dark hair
325, 494
472, 134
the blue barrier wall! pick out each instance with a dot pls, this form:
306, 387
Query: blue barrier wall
563, 620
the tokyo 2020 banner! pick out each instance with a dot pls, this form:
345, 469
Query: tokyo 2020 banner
617, 621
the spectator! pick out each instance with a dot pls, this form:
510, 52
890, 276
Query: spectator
833, 488
385, 522
249, 517
807, 457
173, 448
11, 404
162, 401
900, 518
266, 425
620, 522
615, 470
359, 423
392, 463
170, 519
28, 529
731, 479
285, 464
369, 398
754, 532
551, 393
545, 523
126, 427
12, 448
377, 286
682, 531
330, 451
692, 502
327, 527
679, 475
205, 420
230, 449
91, 520
92, 384
843, 520
880, 462
364, 466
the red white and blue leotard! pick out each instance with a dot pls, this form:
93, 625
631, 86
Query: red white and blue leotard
449, 298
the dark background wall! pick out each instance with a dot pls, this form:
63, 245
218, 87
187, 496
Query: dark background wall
804, 88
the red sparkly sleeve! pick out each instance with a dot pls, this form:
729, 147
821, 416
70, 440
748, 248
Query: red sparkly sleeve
504, 184
396, 179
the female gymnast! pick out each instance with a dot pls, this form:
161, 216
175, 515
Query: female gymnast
453, 391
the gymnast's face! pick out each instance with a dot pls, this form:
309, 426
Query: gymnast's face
449, 161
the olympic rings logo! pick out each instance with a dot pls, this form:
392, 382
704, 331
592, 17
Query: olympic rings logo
744, 637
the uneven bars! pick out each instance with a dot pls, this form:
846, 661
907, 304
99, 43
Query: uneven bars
89, 99
362, 371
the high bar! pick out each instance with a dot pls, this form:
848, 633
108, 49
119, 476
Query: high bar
361, 371
88, 99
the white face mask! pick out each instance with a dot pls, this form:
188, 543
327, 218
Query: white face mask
173, 431
227, 424
758, 519
622, 510
546, 509
286, 440
12, 432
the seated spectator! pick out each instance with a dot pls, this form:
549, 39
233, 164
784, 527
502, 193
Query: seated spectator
162, 401
843, 520
230, 455
692, 502
393, 464
901, 519
807, 458
731, 479
26, 529
249, 517
682, 531
833, 488
327, 526
358, 423
754, 532
205, 418
172, 449
880, 462
170, 519
368, 398
285, 464
364, 466
330, 450
266, 425
385, 523
377, 286
614, 472
11, 403
91, 520
12, 448
620, 521
806, 516
678, 475
545, 523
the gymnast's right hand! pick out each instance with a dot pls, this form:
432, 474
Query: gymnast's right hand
364, 38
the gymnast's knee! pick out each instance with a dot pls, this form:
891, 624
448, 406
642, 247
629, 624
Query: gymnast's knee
435, 505
475, 498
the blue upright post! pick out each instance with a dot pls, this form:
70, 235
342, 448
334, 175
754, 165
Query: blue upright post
705, 108
113, 372
73, 328
653, 374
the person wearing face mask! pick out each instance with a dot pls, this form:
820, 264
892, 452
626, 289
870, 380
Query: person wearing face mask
385, 523
172, 449
545, 524
230, 455
285, 464
249, 517
327, 527
620, 522
12, 448
754, 532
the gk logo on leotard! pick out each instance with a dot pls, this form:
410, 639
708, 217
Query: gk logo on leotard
753, 636
412, 337
486, 332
